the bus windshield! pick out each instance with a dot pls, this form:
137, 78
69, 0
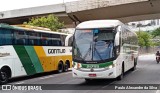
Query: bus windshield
93, 45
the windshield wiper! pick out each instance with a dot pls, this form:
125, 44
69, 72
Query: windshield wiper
95, 49
80, 55
89, 50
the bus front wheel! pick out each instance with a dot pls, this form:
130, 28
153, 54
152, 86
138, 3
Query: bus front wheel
122, 73
135, 63
4, 76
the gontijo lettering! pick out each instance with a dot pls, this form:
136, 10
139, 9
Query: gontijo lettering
56, 51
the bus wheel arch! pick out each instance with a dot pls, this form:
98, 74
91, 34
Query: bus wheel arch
5, 73
120, 77
60, 66
135, 60
135, 63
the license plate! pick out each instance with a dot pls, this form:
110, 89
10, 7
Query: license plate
92, 75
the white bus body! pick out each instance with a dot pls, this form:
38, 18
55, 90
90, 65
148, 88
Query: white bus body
103, 49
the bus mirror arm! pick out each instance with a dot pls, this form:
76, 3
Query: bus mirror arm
118, 28
117, 51
116, 41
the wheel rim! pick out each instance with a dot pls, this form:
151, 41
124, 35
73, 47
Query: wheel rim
66, 67
3, 76
60, 67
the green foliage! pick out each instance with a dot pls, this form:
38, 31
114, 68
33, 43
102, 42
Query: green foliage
156, 32
50, 21
156, 43
144, 39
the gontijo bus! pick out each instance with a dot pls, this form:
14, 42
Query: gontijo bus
27, 50
103, 49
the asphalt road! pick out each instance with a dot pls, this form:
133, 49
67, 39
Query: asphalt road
147, 72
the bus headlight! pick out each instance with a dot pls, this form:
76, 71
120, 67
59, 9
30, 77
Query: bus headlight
77, 65
111, 66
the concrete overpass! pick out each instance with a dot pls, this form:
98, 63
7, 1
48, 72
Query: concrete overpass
83, 10
21, 15
124, 10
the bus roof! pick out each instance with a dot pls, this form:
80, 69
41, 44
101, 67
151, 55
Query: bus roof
99, 24
29, 28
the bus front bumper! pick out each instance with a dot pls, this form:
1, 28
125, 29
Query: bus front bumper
110, 73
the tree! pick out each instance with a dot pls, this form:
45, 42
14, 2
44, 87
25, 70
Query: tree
50, 21
144, 39
156, 32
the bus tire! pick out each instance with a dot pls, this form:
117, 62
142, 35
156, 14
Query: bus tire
135, 63
4, 75
60, 67
120, 77
66, 67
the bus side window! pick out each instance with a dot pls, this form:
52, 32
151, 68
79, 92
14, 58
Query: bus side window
55, 40
20, 38
2, 40
34, 38
70, 41
56, 43
6, 37
63, 37
44, 39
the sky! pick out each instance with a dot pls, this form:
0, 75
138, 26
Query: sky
18, 4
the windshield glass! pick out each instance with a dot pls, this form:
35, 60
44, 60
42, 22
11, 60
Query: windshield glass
93, 45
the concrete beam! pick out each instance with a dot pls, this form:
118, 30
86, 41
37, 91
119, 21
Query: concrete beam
95, 4
55, 9
126, 10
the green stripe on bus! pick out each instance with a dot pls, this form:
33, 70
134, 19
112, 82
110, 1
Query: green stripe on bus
26, 61
34, 58
101, 65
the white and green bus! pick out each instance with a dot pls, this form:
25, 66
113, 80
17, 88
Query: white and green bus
27, 50
103, 49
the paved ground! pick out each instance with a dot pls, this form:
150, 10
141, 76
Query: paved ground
147, 72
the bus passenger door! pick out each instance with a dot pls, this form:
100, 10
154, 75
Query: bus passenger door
126, 57
129, 58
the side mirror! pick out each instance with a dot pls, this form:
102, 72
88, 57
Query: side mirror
119, 28
117, 39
